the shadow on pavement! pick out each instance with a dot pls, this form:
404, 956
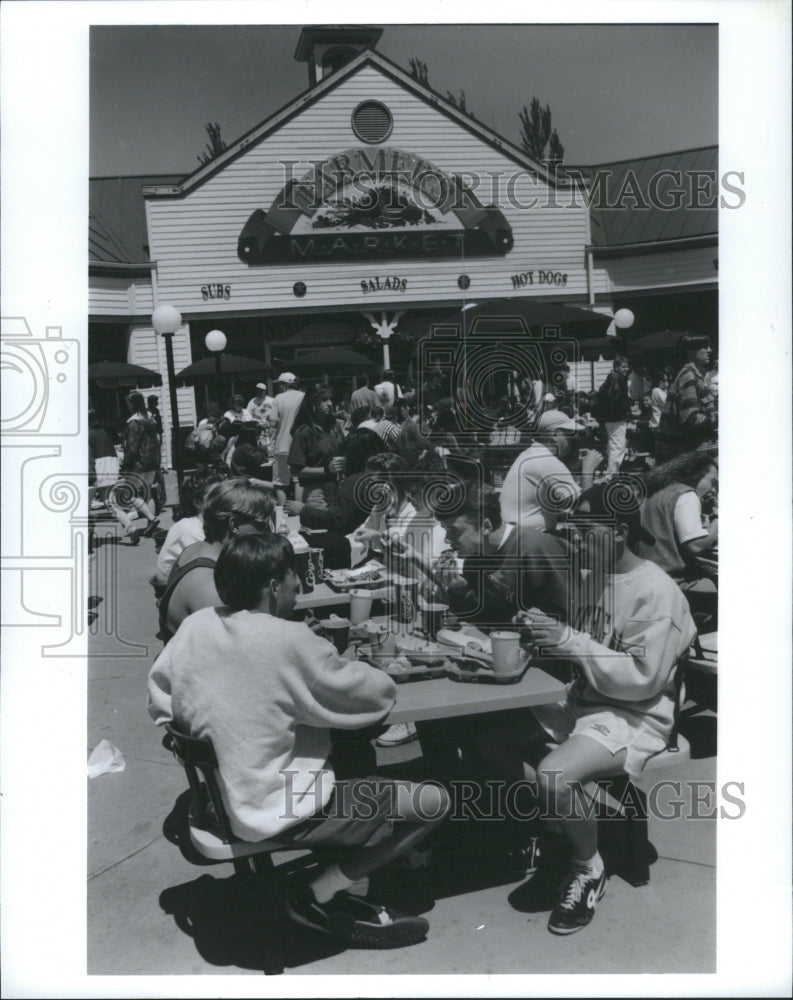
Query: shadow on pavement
225, 919
700, 731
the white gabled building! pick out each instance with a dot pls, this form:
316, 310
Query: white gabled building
367, 194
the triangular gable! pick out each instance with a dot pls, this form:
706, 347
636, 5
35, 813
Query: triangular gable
322, 89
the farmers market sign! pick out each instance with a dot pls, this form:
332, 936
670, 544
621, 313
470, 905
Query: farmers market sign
366, 204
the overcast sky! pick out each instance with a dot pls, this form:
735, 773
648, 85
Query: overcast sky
615, 91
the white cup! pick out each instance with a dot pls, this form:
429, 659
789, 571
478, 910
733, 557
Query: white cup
506, 651
360, 605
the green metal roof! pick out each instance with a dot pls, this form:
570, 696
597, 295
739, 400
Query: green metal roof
117, 218
618, 219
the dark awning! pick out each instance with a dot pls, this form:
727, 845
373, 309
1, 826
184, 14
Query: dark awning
325, 358
232, 366
534, 315
119, 374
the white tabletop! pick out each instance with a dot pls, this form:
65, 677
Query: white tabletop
446, 699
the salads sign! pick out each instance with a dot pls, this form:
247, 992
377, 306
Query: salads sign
368, 204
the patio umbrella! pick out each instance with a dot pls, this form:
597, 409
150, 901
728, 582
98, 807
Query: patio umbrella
595, 347
663, 342
325, 358
578, 322
232, 366
120, 375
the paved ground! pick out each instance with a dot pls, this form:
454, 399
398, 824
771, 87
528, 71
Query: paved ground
151, 911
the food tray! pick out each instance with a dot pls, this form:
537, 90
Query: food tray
466, 642
371, 574
407, 673
467, 671
421, 651
418, 672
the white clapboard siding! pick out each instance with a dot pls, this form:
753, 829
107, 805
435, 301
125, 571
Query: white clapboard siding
142, 298
194, 239
655, 270
589, 375
108, 296
119, 296
147, 349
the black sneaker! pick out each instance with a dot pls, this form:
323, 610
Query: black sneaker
356, 921
578, 897
151, 527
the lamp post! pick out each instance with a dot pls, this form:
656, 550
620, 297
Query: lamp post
166, 320
215, 341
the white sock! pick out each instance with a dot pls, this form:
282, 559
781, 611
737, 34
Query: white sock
329, 882
593, 865
360, 887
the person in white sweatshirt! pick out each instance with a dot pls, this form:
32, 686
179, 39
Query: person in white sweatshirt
629, 626
266, 691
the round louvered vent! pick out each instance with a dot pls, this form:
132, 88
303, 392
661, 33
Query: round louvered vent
372, 122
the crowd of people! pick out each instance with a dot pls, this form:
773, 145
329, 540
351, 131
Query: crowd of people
540, 522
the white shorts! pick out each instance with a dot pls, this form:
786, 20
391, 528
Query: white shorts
612, 729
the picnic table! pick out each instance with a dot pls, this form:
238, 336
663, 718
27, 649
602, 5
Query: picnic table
443, 698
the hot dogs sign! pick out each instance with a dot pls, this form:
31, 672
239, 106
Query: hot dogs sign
370, 204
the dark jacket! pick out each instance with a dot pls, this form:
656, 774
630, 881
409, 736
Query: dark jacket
347, 510
613, 402
141, 446
531, 569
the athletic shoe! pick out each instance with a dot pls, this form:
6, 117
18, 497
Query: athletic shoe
97, 505
578, 897
396, 735
356, 921
151, 527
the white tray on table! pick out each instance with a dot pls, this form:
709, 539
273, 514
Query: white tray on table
370, 574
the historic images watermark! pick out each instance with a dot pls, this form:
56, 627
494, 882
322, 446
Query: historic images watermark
376, 177
497, 801
41, 409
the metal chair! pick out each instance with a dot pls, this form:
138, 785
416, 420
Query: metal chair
212, 837
702, 670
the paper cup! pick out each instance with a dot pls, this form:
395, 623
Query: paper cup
376, 633
338, 631
506, 651
360, 606
434, 619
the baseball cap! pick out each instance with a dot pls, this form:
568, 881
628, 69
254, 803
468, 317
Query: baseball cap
555, 420
261, 385
619, 500
287, 377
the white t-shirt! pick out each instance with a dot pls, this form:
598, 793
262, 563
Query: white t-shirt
180, 535
385, 393
260, 411
657, 400
282, 415
688, 518
535, 473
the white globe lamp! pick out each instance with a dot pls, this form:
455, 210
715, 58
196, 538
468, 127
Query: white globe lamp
215, 340
623, 319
